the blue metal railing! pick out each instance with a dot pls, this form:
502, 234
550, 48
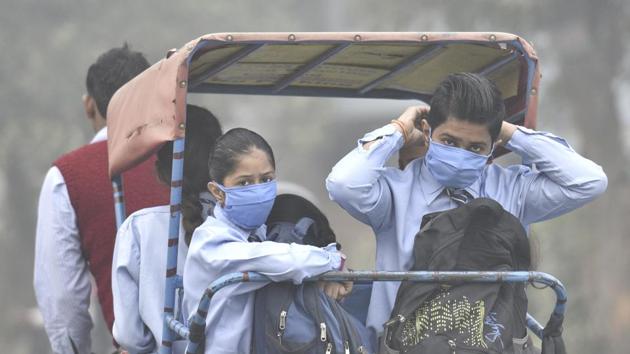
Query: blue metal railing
119, 200
195, 333
172, 280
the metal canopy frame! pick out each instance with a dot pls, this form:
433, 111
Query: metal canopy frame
150, 109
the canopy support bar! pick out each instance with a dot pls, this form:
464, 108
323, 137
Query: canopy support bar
119, 200
227, 63
423, 56
307, 91
492, 67
282, 84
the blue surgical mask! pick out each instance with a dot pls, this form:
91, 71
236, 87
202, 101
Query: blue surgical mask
248, 207
454, 167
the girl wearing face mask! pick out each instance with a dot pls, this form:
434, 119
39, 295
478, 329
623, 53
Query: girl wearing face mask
243, 181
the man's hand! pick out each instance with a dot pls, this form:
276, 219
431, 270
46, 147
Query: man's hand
507, 130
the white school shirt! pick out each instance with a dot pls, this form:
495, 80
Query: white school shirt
138, 278
393, 202
61, 277
219, 247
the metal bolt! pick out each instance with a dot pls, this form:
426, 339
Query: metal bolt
492, 38
533, 92
182, 126
424, 38
229, 38
357, 38
182, 83
291, 37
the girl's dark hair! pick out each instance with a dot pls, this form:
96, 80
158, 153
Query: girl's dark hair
469, 97
202, 130
229, 148
291, 208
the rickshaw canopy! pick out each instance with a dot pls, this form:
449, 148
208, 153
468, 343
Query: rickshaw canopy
151, 108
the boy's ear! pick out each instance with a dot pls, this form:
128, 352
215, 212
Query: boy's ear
217, 193
89, 105
426, 129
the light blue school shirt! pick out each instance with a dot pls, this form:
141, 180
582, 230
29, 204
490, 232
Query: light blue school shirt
393, 201
138, 269
219, 247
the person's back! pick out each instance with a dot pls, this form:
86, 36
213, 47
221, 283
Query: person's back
139, 261
76, 223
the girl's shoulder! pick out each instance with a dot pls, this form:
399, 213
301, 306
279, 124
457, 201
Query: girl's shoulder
147, 217
215, 231
149, 213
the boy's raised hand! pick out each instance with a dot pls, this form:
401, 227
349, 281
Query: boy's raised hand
416, 144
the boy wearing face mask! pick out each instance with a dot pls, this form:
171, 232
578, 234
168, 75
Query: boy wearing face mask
456, 136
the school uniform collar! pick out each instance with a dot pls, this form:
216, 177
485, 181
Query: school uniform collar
432, 189
101, 135
260, 233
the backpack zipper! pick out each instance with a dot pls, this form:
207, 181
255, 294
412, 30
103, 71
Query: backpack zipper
329, 348
322, 332
346, 347
283, 320
397, 319
282, 325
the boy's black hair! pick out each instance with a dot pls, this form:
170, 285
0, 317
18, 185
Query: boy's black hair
469, 97
111, 70
291, 208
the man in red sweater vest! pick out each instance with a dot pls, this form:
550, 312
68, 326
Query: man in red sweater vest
76, 223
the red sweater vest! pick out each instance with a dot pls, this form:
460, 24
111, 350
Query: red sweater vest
90, 189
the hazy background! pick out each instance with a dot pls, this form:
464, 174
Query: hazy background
47, 47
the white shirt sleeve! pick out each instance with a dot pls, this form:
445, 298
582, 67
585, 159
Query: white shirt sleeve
129, 329
61, 276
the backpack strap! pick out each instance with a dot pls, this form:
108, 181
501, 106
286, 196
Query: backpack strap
351, 340
313, 306
303, 225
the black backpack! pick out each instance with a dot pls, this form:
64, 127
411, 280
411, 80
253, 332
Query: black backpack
292, 318
463, 317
